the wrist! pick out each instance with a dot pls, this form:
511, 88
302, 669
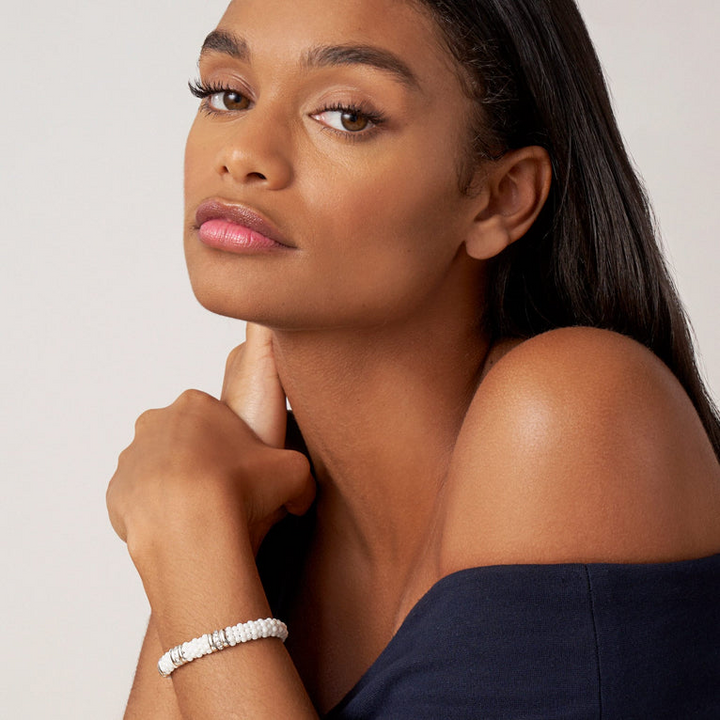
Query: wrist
219, 640
201, 578
218, 597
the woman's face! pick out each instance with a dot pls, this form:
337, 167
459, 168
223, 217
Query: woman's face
335, 127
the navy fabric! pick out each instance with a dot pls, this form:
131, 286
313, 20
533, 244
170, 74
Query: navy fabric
554, 642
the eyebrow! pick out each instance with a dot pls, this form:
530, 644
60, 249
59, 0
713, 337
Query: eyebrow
227, 43
329, 55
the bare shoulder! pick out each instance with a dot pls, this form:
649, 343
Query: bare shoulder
580, 446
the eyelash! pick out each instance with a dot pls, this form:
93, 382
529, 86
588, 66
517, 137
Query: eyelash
203, 91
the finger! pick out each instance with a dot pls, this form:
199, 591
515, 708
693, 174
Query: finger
252, 388
115, 515
304, 498
292, 486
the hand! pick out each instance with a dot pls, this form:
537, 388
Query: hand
252, 387
193, 496
203, 465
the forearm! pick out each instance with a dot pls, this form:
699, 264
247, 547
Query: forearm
151, 696
192, 495
253, 680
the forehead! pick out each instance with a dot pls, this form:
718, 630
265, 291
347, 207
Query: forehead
289, 29
371, 18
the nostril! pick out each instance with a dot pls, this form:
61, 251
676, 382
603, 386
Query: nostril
250, 175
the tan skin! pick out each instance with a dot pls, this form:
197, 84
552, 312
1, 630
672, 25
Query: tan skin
433, 450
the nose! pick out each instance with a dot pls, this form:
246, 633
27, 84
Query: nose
256, 150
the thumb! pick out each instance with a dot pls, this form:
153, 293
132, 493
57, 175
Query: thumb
290, 482
252, 389
287, 487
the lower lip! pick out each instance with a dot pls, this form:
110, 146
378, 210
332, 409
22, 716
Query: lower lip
228, 236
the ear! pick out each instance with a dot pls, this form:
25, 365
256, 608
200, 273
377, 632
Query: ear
513, 191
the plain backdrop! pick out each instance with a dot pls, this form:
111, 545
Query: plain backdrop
99, 323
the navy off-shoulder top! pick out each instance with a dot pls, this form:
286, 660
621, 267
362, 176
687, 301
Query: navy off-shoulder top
536, 642
553, 642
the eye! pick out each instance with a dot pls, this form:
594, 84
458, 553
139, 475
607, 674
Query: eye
345, 119
350, 119
218, 98
227, 100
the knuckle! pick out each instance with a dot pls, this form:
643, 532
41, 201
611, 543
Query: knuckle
109, 495
298, 466
234, 356
124, 459
191, 398
144, 419
112, 507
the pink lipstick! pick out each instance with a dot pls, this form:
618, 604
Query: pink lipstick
237, 229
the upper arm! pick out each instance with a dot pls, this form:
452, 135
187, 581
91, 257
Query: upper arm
580, 446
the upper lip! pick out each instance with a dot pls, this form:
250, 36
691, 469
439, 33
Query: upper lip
240, 215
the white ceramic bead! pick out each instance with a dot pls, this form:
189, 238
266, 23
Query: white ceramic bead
213, 642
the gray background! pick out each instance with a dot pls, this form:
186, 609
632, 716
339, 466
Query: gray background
98, 321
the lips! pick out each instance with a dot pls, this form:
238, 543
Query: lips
236, 228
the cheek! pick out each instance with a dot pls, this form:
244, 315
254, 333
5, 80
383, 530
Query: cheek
392, 229
198, 168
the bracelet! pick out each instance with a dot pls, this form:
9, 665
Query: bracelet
219, 640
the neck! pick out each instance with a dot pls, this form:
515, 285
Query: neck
380, 409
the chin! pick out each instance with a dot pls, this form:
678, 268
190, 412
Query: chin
283, 314
239, 305
222, 290
216, 298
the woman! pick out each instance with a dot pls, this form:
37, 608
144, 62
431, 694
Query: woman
450, 272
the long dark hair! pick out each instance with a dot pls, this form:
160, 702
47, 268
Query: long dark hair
592, 257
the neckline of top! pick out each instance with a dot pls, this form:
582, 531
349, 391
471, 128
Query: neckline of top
471, 571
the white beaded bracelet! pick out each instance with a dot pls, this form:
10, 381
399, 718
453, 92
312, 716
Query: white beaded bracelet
219, 640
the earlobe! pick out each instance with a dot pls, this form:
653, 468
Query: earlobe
489, 238
514, 191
